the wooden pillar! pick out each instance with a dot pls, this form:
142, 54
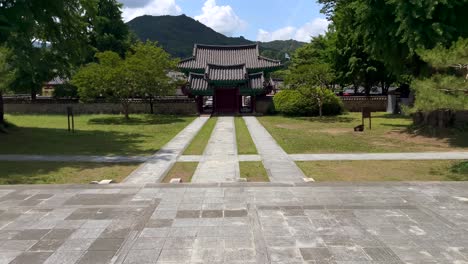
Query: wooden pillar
253, 102
200, 104
239, 102
214, 101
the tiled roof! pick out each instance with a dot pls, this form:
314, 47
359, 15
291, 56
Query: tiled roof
256, 81
226, 73
198, 82
228, 56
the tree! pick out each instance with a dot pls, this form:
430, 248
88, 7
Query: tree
447, 87
109, 32
143, 72
313, 81
46, 37
6, 75
394, 30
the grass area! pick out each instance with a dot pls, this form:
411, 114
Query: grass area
336, 135
61, 173
183, 170
253, 171
356, 171
245, 144
94, 135
198, 144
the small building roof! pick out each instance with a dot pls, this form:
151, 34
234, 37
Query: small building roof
200, 85
228, 56
226, 73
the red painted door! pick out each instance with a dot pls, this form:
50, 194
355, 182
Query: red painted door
226, 100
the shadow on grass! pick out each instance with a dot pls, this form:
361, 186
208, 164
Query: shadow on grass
326, 119
48, 172
454, 136
48, 141
145, 120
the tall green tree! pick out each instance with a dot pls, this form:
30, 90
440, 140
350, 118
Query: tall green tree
47, 37
6, 76
447, 87
393, 30
143, 72
109, 32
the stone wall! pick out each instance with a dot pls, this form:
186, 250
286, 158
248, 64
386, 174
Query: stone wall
177, 108
356, 103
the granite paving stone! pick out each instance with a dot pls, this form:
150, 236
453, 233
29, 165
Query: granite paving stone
372, 223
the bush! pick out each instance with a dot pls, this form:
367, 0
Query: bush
65, 91
296, 103
292, 102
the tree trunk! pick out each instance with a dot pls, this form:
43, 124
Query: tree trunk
126, 106
151, 105
320, 104
33, 95
2, 113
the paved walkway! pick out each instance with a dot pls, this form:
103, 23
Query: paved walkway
219, 162
279, 166
295, 157
158, 165
382, 156
67, 158
235, 223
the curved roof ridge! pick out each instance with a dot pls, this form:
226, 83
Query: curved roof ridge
253, 45
268, 59
227, 66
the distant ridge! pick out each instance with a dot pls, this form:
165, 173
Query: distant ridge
178, 34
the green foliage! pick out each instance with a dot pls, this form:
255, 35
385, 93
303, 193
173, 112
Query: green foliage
178, 34
109, 32
6, 71
143, 72
461, 168
292, 103
447, 88
302, 102
65, 91
394, 30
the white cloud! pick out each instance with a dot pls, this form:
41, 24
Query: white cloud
305, 33
151, 7
222, 19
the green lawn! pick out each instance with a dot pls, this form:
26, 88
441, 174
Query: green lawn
336, 135
182, 170
95, 134
358, 171
198, 144
61, 173
245, 144
253, 171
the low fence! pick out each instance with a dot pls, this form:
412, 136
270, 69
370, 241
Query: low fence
169, 105
356, 103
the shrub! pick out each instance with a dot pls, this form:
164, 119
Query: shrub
292, 102
296, 103
65, 91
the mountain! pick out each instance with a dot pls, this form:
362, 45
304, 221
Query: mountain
178, 34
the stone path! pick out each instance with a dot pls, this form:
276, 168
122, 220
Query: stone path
383, 156
385, 223
280, 167
219, 162
158, 165
295, 157
69, 158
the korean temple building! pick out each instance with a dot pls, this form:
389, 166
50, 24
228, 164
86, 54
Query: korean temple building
228, 75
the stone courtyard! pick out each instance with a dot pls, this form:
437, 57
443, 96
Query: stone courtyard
235, 223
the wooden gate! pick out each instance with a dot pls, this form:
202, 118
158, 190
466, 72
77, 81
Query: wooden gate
226, 100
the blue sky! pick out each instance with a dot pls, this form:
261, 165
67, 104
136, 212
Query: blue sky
262, 20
